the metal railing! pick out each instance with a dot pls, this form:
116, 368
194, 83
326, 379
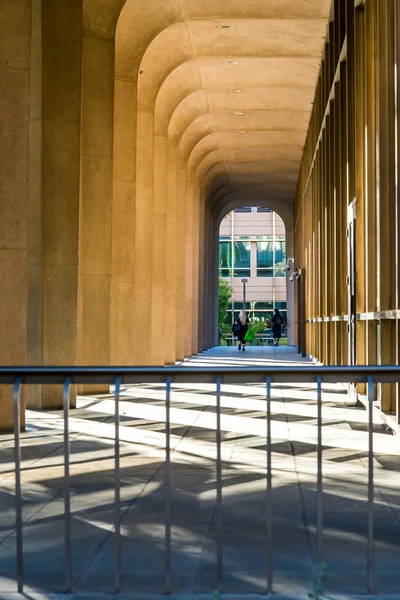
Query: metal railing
117, 376
260, 339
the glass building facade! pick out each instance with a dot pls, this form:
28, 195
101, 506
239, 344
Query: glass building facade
252, 246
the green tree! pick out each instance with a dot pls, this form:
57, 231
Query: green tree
224, 297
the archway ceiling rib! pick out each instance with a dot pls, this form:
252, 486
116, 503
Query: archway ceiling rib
233, 200
250, 39
190, 67
256, 143
264, 83
140, 21
260, 125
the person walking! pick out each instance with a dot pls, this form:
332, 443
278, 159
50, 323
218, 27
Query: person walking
240, 328
277, 322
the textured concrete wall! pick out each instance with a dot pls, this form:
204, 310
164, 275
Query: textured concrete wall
123, 141
15, 66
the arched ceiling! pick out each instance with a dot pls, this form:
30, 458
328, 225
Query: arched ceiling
230, 82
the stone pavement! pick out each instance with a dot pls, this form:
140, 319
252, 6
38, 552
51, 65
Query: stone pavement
193, 501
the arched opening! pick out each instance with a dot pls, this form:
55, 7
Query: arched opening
201, 121
252, 260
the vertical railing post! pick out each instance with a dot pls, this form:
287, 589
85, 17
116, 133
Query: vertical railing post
18, 495
117, 489
67, 490
219, 488
167, 484
370, 548
269, 493
319, 473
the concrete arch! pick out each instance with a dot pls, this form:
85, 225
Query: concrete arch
176, 131
130, 160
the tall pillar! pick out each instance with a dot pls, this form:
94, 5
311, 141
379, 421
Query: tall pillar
171, 257
159, 251
190, 270
180, 245
35, 274
61, 85
143, 236
196, 271
15, 65
123, 223
290, 290
96, 202
201, 285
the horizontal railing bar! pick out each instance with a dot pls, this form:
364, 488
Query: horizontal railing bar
182, 374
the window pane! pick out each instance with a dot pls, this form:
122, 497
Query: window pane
225, 259
265, 272
239, 306
261, 209
265, 305
242, 259
280, 305
280, 259
265, 259
243, 209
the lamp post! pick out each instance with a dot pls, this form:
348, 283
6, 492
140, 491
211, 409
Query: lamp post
244, 281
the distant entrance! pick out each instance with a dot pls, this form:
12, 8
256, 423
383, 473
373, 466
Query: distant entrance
252, 274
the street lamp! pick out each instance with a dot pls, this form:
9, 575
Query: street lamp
244, 281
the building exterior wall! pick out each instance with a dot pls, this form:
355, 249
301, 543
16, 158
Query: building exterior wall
347, 200
263, 293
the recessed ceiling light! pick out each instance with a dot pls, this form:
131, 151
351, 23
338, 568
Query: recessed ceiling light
235, 91
231, 62
238, 112
225, 26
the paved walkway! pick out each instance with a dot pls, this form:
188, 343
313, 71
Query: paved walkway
193, 502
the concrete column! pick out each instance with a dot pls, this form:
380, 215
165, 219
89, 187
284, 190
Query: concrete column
159, 251
171, 258
343, 307
201, 287
196, 271
290, 289
15, 65
96, 203
123, 224
370, 188
360, 92
35, 266
180, 244
215, 284
143, 237
61, 85
386, 203
190, 269
207, 272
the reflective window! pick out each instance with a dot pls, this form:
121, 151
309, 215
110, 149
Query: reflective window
239, 306
280, 259
242, 259
265, 259
225, 259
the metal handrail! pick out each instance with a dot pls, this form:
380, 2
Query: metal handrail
117, 376
104, 375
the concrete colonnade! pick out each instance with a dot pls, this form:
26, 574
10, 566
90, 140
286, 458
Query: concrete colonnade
128, 130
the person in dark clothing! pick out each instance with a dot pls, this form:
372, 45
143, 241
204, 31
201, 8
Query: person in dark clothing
277, 322
239, 329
